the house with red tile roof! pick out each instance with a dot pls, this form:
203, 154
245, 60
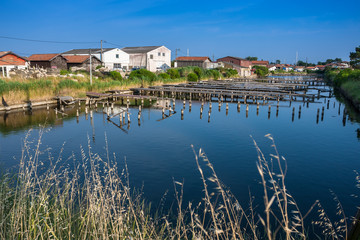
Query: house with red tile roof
82, 61
10, 60
260, 63
51, 60
243, 66
203, 62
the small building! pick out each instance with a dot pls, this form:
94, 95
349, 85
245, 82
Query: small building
272, 67
203, 62
260, 63
51, 60
112, 58
299, 68
152, 58
10, 60
243, 66
82, 61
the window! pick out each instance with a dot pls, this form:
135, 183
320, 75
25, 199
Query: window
159, 54
117, 55
117, 65
163, 54
151, 56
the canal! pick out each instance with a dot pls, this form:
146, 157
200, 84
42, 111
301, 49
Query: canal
321, 153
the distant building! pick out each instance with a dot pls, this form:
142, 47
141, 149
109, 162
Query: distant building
112, 58
152, 58
10, 60
299, 68
243, 66
260, 63
272, 67
82, 61
203, 62
52, 60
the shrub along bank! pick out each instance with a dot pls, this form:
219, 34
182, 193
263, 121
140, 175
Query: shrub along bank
348, 82
16, 90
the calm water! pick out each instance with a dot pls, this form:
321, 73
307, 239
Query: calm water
320, 156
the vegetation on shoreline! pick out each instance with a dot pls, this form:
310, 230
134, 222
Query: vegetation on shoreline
17, 90
93, 200
348, 80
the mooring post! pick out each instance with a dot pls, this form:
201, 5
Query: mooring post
210, 106
209, 116
182, 114
56, 111
140, 108
91, 114
299, 112
47, 107
339, 108
238, 106
128, 117
328, 103
322, 113
317, 115
77, 112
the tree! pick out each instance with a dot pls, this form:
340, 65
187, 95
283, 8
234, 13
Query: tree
251, 58
355, 58
278, 62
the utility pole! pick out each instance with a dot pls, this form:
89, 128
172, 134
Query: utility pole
188, 53
90, 67
213, 57
297, 55
176, 52
101, 53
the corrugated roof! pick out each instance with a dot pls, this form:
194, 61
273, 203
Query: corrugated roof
87, 50
192, 59
132, 50
42, 57
235, 58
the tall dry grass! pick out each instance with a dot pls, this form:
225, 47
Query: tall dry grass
87, 197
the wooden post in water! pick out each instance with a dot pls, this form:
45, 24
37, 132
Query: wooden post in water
210, 106
269, 111
227, 109
293, 114
339, 109
344, 117
182, 114
128, 117
238, 106
257, 109
209, 116
328, 103
322, 113
317, 116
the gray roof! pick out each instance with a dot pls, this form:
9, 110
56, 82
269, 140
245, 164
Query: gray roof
130, 50
86, 51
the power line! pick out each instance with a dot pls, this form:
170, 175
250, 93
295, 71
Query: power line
114, 44
44, 41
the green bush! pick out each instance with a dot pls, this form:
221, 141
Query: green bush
198, 72
173, 73
98, 67
142, 74
116, 75
261, 71
215, 74
64, 72
192, 77
230, 72
164, 76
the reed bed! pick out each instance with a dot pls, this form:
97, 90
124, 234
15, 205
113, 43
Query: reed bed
88, 197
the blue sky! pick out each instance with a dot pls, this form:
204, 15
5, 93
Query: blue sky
270, 30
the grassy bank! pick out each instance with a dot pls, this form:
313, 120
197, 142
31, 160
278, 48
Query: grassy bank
348, 81
47, 199
17, 90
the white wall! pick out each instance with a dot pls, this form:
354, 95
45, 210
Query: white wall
158, 63
109, 58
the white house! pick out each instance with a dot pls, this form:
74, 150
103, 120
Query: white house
9, 61
112, 58
152, 58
